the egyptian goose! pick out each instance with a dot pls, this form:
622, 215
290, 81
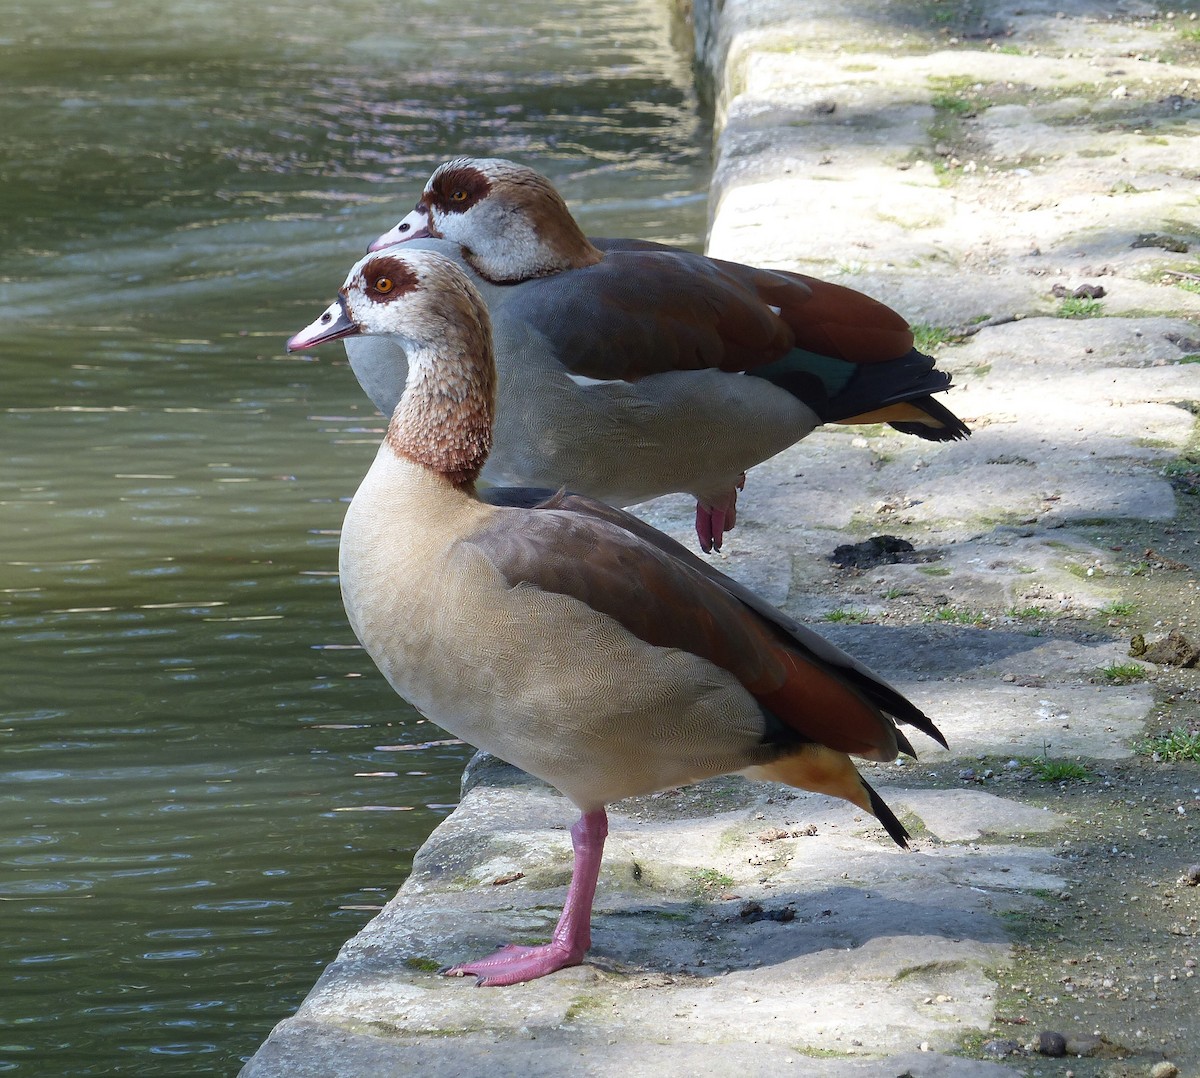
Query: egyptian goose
623, 363
566, 637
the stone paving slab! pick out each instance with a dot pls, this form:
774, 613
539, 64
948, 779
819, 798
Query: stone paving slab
317, 1049
861, 949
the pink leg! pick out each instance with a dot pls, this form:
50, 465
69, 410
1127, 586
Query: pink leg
714, 519
572, 937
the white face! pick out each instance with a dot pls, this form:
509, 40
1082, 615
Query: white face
416, 295
413, 226
445, 210
333, 324
363, 304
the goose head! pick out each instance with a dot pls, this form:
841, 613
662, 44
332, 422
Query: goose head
509, 220
419, 297
443, 421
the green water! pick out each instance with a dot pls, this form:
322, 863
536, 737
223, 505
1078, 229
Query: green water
205, 788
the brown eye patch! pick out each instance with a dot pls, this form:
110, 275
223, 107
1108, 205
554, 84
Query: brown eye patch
388, 278
458, 189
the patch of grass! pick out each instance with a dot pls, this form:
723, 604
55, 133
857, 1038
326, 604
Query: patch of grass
1124, 187
849, 617
1119, 609
1190, 34
1177, 745
1183, 473
927, 337
1079, 307
580, 1005
1059, 770
951, 84
893, 593
1187, 286
810, 1051
1180, 466
1193, 357
942, 170
708, 880
952, 103
934, 570
1123, 673
1028, 611
956, 616
425, 965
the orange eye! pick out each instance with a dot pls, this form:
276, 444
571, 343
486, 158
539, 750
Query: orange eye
458, 196
384, 285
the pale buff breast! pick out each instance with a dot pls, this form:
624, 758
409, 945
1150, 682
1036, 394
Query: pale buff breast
539, 679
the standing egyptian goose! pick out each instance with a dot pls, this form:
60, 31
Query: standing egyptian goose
570, 638
631, 369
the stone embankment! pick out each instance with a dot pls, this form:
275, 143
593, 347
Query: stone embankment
1019, 179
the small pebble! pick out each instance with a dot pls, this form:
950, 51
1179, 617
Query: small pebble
1165, 1069
1049, 1043
1000, 1048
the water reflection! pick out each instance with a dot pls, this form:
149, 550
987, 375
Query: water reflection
205, 787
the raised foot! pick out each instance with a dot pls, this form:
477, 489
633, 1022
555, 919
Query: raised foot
513, 964
714, 518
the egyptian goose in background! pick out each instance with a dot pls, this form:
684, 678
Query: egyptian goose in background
567, 637
624, 364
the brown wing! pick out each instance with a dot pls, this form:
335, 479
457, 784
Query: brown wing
644, 312
647, 309
825, 318
577, 547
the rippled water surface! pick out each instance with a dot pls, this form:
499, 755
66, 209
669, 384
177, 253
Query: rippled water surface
205, 787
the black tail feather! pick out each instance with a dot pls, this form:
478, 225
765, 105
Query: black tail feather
904, 745
887, 817
952, 429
